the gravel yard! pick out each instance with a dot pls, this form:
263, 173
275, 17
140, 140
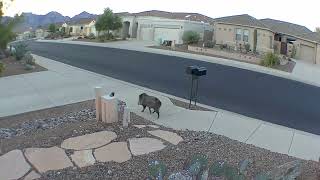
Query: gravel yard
47, 128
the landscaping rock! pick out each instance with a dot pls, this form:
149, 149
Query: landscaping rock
140, 146
171, 137
45, 159
89, 141
32, 175
13, 165
83, 158
154, 126
117, 152
139, 126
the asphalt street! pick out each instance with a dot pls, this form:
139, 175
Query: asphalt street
266, 97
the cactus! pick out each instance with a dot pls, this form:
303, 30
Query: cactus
198, 163
243, 165
182, 175
157, 170
28, 58
217, 169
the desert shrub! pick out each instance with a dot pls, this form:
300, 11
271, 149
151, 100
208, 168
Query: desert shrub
293, 52
91, 36
20, 51
223, 46
247, 47
210, 44
1, 68
191, 37
28, 58
270, 60
28, 67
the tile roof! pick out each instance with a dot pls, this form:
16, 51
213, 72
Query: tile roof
82, 21
173, 15
243, 19
285, 27
313, 36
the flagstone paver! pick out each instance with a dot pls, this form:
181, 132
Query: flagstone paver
89, 141
32, 175
140, 146
13, 165
139, 126
117, 152
154, 126
45, 159
171, 137
83, 158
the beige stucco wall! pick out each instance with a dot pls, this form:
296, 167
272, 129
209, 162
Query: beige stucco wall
226, 34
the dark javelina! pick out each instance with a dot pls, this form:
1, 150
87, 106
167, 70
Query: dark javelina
150, 102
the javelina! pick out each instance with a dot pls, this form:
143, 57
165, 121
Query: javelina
150, 102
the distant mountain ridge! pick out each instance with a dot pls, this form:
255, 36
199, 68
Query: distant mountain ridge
33, 21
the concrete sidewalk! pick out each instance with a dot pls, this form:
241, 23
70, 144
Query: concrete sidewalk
306, 73
64, 84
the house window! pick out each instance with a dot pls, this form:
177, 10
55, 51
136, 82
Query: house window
246, 35
238, 34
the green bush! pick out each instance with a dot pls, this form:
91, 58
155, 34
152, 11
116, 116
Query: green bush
247, 47
1, 68
190, 37
91, 36
294, 52
210, 44
20, 51
270, 60
28, 58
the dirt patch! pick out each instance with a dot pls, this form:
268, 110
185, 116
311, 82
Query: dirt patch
216, 147
183, 48
14, 67
186, 105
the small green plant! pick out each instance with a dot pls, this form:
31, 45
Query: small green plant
91, 36
20, 51
28, 67
247, 47
28, 58
157, 169
293, 51
270, 60
2, 67
223, 46
191, 37
210, 44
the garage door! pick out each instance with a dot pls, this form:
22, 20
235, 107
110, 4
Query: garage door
307, 53
166, 34
146, 34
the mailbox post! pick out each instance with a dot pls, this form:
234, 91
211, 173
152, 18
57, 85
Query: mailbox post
195, 73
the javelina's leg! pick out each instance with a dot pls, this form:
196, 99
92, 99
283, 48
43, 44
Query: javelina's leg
158, 114
144, 107
150, 110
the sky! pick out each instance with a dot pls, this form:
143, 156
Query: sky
304, 12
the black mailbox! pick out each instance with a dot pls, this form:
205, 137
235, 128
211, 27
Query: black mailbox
201, 71
197, 71
191, 69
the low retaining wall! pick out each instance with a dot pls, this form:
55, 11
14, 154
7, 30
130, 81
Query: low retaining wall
226, 54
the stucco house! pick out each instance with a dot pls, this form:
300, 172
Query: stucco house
287, 35
82, 27
160, 25
239, 30
271, 36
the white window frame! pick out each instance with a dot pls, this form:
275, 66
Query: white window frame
238, 34
246, 33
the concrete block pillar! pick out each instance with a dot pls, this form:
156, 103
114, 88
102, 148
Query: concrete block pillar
109, 106
98, 93
126, 117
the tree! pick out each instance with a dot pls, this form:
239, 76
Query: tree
318, 30
191, 37
108, 21
6, 29
52, 28
255, 40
